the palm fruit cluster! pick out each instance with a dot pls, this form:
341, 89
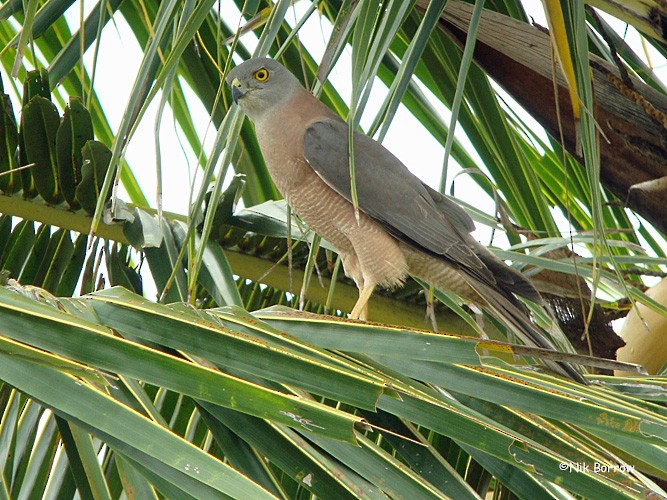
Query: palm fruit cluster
62, 163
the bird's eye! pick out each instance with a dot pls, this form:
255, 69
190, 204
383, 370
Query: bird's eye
261, 75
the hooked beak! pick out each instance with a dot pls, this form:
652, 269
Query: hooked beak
237, 90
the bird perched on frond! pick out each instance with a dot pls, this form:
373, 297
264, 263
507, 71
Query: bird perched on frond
403, 227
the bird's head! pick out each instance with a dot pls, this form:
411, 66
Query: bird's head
260, 85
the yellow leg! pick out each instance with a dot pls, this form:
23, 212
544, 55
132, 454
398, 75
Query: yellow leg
360, 310
363, 315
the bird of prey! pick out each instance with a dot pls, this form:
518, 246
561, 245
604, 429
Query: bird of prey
403, 227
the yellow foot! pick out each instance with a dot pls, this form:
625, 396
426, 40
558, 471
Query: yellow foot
360, 310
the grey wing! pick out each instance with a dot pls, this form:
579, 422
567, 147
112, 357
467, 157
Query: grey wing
394, 197
507, 276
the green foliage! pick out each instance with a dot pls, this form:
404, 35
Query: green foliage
108, 392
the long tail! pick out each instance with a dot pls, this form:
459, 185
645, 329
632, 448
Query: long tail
501, 304
512, 313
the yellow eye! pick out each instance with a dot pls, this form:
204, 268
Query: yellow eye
261, 75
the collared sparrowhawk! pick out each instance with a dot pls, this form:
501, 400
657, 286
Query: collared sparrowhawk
403, 227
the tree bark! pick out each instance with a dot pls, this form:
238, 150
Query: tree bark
632, 118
